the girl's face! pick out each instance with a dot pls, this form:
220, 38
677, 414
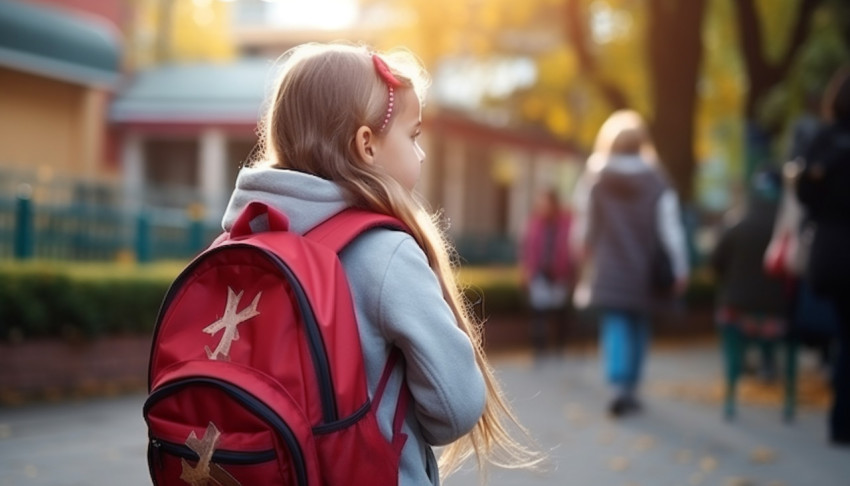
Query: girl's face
397, 149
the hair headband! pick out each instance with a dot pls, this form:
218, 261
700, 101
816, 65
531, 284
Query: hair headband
392, 82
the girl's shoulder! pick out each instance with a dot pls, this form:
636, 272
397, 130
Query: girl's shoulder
375, 250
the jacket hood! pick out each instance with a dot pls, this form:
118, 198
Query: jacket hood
623, 176
307, 200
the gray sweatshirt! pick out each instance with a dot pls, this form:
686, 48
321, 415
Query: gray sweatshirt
398, 302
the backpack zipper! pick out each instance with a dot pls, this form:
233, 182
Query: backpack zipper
235, 458
250, 402
318, 352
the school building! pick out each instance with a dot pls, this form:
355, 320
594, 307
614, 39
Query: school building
58, 70
174, 136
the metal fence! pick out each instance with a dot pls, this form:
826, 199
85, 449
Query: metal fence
81, 220
73, 220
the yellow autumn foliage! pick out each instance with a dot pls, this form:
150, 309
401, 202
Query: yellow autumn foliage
180, 30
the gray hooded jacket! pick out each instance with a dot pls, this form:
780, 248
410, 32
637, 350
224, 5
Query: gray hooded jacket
398, 302
621, 205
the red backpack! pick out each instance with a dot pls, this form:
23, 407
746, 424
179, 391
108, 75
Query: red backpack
256, 374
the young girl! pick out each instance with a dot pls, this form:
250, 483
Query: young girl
545, 268
623, 209
342, 130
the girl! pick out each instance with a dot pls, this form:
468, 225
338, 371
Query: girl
342, 130
624, 208
545, 265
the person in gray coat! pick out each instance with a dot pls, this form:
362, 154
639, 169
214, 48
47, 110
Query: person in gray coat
624, 210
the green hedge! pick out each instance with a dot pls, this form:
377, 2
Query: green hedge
87, 300
84, 300
492, 290
496, 290
68, 300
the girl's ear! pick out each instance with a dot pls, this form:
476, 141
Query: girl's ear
364, 141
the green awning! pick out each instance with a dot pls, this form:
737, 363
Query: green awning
202, 93
58, 44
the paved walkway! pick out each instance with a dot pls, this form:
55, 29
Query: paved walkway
675, 442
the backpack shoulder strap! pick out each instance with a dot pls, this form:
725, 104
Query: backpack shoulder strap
339, 230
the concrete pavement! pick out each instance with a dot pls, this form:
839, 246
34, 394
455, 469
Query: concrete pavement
674, 442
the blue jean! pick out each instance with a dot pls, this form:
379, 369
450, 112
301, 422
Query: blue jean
625, 339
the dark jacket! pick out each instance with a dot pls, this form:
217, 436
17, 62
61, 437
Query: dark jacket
622, 236
738, 261
824, 190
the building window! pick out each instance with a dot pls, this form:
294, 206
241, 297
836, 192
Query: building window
171, 172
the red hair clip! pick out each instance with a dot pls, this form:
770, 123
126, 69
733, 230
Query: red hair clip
391, 81
384, 72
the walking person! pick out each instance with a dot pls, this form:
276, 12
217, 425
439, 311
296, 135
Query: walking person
545, 269
822, 188
342, 130
750, 303
812, 320
625, 215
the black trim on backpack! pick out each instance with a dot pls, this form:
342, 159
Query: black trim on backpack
343, 423
317, 345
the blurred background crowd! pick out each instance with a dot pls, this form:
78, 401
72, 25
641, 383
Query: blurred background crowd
568, 142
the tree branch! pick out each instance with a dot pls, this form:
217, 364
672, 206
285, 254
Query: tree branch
576, 19
577, 34
763, 75
799, 35
749, 32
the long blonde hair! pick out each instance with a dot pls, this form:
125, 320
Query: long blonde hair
326, 92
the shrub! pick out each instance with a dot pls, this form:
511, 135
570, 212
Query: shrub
70, 300
88, 300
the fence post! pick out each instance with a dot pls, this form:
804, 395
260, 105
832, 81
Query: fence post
24, 224
143, 238
196, 228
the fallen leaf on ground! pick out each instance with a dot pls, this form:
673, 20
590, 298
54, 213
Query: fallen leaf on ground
738, 481
575, 413
606, 437
684, 456
762, 455
618, 463
644, 442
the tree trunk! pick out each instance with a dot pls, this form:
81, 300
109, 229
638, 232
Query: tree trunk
763, 75
675, 54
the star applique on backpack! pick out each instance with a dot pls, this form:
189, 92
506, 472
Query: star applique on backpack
256, 374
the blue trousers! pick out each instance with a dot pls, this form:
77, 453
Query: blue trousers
625, 339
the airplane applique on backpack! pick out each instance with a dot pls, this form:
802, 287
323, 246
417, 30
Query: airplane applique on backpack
256, 374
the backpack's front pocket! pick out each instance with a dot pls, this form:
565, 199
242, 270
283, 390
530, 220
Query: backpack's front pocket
206, 430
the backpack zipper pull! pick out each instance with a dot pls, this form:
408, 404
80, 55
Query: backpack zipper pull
157, 454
